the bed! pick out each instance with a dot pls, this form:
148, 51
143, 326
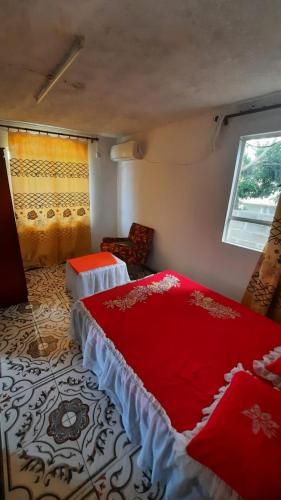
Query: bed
161, 347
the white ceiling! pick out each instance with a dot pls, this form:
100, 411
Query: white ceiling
145, 62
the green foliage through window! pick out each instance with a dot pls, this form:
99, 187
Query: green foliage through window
260, 174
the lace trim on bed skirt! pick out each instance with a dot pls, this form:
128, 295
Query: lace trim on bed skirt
261, 370
172, 462
211, 484
145, 420
127, 368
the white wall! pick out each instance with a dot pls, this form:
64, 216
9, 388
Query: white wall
103, 193
187, 204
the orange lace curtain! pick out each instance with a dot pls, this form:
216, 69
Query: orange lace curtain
263, 293
51, 197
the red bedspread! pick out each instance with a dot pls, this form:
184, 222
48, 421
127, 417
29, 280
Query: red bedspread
181, 338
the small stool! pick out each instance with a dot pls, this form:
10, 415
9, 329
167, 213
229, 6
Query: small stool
94, 273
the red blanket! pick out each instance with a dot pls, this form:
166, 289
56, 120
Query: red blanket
181, 338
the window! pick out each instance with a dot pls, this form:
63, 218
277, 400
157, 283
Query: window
255, 191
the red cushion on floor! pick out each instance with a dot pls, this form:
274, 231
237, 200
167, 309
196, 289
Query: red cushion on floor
241, 441
92, 261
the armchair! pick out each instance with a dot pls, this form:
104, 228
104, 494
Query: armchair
134, 249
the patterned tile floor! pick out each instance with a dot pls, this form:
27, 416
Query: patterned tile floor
61, 437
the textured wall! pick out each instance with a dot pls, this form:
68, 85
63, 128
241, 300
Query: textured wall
103, 194
187, 204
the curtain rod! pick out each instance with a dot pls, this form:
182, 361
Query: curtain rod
26, 129
249, 112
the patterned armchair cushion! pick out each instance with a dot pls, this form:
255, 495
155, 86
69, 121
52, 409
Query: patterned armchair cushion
141, 234
134, 249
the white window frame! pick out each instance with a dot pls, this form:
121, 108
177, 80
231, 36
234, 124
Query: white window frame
242, 142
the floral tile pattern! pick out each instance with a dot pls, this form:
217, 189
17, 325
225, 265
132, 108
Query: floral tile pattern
35, 462
124, 480
23, 360
26, 415
15, 317
79, 382
61, 437
51, 308
104, 440
61, 350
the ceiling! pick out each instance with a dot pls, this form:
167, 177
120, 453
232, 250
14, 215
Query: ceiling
145, 62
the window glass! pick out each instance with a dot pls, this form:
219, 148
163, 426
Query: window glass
255, 191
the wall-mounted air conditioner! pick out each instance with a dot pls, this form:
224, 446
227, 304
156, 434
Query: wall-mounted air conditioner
126, 151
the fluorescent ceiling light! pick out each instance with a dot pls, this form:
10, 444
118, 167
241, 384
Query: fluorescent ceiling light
68, 59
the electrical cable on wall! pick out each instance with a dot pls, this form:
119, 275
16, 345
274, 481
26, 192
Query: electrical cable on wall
219, 120
223, 119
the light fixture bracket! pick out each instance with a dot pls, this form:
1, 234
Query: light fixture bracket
67, 60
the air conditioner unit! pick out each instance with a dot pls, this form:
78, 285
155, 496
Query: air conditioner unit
126, 151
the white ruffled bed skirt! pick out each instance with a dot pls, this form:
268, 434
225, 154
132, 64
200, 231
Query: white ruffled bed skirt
145, 421
96, 280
